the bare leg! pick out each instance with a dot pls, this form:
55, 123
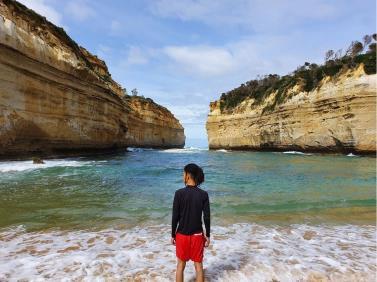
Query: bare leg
199, 271
180, 268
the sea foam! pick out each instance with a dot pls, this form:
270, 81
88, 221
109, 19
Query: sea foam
296, 153
238, 252
10, 166
184, 150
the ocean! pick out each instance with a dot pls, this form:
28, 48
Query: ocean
275, 216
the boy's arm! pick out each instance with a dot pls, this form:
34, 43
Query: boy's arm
207, 215
175, 215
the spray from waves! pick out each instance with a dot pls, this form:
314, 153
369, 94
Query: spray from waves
14, 166
238, 252
296, 153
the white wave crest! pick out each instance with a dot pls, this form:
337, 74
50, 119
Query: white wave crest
184, 150
238, 252
296, 153
14, 166
222, 150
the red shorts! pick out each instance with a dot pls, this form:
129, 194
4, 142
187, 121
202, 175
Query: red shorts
190, 246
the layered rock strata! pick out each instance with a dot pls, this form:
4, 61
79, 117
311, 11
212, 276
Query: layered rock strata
338, 116
56, 96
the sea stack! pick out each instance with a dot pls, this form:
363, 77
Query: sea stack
55, 96
327, 108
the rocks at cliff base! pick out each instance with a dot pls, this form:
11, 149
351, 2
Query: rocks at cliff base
37, 160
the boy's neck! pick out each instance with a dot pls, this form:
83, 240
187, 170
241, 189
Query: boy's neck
189, 183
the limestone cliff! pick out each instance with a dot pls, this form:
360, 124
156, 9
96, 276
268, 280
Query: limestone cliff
337, 116
56, 96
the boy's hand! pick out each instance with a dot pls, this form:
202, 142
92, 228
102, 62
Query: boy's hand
208, 241
173, 241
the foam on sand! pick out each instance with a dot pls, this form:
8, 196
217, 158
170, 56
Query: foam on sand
238, 252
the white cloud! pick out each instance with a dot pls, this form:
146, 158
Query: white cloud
248, 56
136, 55
193, 117
258, 15
243, 59
201, 60
79, 10
43, 8
202, 10
190, 113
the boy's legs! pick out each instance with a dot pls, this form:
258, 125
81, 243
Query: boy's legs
181, 264
199, 271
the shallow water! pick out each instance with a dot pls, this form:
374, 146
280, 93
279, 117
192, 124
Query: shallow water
284, 216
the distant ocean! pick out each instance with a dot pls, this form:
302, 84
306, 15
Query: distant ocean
284, 216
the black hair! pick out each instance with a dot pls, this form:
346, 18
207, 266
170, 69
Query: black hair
196, 173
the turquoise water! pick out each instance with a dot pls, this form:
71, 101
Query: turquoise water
284, 216
137, 187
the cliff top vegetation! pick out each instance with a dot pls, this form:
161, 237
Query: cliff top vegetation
307, 76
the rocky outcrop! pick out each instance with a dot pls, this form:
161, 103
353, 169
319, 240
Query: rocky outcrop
338, 116
56, 96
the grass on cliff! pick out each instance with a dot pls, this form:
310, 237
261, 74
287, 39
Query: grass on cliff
306, 77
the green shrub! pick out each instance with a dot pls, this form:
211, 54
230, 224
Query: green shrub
307, 76
369, 61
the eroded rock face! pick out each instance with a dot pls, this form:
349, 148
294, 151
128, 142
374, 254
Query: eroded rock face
340, 116
55, 95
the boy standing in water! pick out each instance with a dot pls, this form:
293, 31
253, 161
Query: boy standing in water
189, 204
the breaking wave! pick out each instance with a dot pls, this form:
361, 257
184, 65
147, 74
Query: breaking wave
10, 166
184, 150
296, 153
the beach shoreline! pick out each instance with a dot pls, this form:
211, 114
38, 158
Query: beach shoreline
238, 251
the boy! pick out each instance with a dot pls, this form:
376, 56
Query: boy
188, 205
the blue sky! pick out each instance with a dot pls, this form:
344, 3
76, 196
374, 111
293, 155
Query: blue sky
184, 54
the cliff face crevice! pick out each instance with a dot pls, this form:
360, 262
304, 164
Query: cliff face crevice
55, 95
339, 116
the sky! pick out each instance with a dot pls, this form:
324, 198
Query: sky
183, 54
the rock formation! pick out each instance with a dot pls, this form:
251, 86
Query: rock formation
55, 96
337, 116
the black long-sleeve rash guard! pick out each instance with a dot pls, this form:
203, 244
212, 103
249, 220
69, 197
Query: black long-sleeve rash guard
188, 205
